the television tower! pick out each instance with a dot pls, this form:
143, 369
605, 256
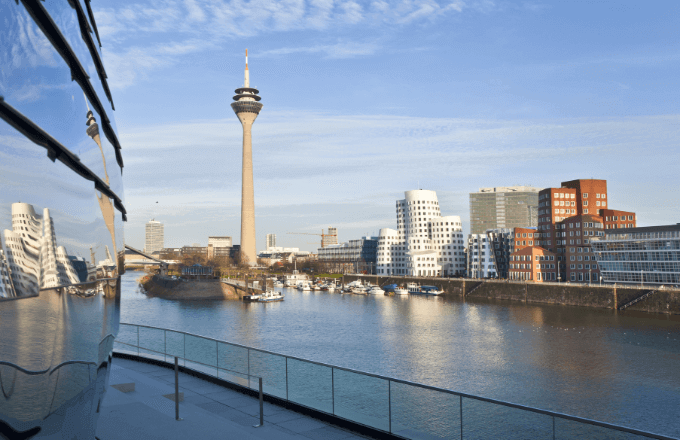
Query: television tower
247, 108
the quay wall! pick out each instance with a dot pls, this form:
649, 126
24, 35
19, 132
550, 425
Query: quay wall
583, 295
187, 290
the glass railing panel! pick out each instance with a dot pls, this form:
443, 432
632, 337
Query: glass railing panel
174, 346
232, 362
421, 413
126, 339
360, 398
200, 354
152, 339
124, 348
310, 385
484, 420
272, 369
569, 429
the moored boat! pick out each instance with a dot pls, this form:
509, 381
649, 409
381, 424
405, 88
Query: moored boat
270, 296
375, 290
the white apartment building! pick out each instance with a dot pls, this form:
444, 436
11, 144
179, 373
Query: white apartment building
425, 243
155, 240
480, 258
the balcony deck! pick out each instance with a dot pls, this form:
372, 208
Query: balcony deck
208, 410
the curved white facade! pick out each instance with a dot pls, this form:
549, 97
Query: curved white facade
424, 243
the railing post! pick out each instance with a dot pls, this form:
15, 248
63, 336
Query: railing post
389, 403
177, 389
333, 389
137, 340
249, 368
461, 417
286, 377
261, 406
553, 427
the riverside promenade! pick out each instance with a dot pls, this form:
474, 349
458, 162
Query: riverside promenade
208, 410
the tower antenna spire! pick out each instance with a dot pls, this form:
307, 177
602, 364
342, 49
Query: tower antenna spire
246, 83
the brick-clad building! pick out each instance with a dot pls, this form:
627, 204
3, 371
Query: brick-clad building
614, 219
580, 260
533, 263
560, 207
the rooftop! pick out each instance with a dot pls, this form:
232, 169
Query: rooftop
208, 410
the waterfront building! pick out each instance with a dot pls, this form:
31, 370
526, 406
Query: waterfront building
533, 263
330, 238
425, 243
503, 207
581, 265
154, 239
247, 107
355, 256
575, 198
271, 241
481, 261
645, 255
6, 287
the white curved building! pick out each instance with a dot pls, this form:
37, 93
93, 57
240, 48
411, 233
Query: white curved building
425, 243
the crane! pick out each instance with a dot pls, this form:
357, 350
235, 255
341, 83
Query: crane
323, 236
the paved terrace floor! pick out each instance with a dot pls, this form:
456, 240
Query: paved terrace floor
209, 411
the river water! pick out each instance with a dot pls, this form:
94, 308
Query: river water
622, 368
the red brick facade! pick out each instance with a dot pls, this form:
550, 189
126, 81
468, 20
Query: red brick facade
533, 263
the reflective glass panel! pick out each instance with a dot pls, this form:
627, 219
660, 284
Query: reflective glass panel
360, 398
272, 369
568, 429
174, 345
152, 339
233, 363
484, 420
310, 385
419, 413
201, 350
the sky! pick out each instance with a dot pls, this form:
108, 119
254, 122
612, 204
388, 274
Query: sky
364, 100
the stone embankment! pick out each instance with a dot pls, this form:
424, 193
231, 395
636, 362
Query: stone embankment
599, 296
168, 288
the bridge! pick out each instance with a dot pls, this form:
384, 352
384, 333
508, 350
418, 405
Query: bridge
162, 265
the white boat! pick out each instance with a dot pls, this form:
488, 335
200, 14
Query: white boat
278, 284
254, 297
304, 287
413, 288
359, 290
400, 291
270, 296
331, 288
375, 290
316, 287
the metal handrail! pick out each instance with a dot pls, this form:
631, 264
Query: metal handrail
415, 384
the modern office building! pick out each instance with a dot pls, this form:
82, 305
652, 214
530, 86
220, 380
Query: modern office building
354, 256
503, 207
154, 239
247, 107
329, 238
271, 241
645, 255
583, 197
425, 243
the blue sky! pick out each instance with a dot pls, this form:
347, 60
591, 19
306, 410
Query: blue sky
365, 100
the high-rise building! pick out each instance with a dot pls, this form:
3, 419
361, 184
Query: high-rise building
424, 243
219, 247
271, 241
569, 216
154, 240
330, 238
247, 108
503, 207
355, 256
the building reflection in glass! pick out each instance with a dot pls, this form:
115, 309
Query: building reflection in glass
60, 250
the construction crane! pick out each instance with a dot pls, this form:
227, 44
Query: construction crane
323, 236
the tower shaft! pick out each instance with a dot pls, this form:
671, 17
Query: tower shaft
248, 246
247, 108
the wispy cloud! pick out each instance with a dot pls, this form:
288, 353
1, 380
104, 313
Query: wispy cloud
358, 165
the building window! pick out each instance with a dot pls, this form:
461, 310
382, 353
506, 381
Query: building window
585, 203
585, 195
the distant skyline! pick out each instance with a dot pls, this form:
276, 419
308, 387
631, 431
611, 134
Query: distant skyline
366, 100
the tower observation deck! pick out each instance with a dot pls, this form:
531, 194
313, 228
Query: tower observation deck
247, 107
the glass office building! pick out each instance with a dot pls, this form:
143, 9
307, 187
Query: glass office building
61, 221
648, 255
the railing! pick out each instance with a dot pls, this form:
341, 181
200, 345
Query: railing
405, 409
